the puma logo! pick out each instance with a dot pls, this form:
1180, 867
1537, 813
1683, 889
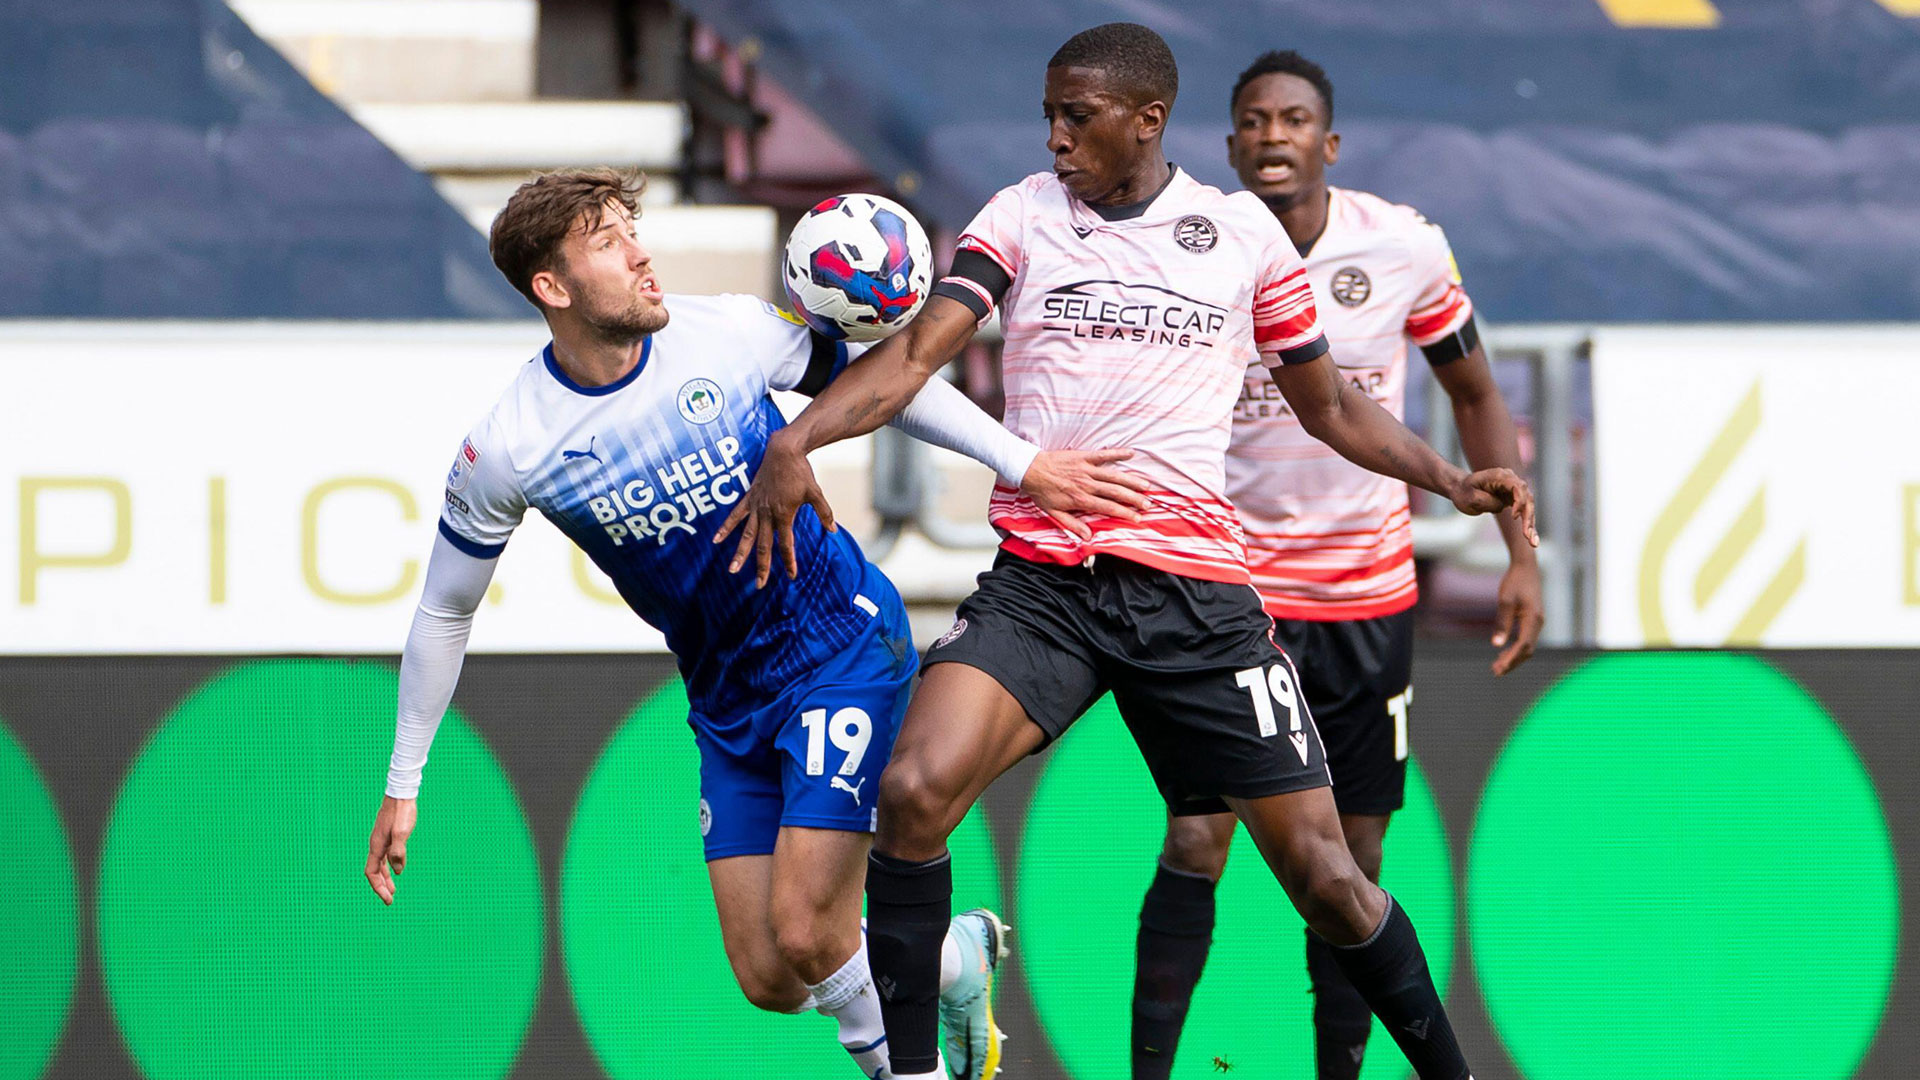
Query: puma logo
570, 455
852, 789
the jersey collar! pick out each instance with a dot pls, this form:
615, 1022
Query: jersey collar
560, 375
1138, 209
1336, 208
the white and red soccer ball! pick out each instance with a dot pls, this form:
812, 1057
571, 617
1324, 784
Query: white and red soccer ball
857, 267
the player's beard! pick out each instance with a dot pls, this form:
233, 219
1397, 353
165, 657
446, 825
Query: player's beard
628, 322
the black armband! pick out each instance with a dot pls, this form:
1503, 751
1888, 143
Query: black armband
1454, 345
1312, 350
976, 281
827, 359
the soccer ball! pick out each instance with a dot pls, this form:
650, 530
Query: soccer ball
857, 267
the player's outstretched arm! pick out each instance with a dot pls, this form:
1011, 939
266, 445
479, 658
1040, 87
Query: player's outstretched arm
1487, 435
1063, 483
1354, 424
865, 396
429, 669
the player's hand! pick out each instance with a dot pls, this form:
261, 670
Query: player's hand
1490, 491
1068, 483
1519, 619
783, 485
387, 847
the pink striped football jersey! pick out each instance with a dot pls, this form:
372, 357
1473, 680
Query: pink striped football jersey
1327, 539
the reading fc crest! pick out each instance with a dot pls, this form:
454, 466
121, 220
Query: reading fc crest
1350, 286
1197, 234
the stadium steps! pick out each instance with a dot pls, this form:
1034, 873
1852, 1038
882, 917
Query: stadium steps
449, 86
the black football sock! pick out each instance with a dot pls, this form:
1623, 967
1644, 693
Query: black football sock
1391, 973
1341, 1019
908, 907
1176, 929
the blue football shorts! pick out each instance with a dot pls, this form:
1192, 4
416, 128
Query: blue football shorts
820, 746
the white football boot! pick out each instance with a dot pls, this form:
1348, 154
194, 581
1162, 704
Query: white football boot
966, 1008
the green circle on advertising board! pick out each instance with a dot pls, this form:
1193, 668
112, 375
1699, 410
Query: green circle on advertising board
238, 935
39, 918
638, 931
1680, 868
1093, 837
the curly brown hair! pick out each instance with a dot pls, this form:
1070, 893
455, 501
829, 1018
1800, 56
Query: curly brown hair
527, 234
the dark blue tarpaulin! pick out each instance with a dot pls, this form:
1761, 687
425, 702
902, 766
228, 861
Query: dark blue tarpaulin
1767, 168
157, 159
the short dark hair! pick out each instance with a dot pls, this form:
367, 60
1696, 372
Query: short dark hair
1134, 57
526, 236
1285, 62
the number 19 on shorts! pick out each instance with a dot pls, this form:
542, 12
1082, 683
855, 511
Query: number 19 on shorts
1273, 684
850, 730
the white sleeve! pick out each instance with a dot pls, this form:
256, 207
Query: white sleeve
794, 358
484, 502
430, 664
940, 414
790, 355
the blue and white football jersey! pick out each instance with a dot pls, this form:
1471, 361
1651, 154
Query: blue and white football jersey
640, 474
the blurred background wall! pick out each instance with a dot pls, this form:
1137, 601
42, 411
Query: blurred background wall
246, 310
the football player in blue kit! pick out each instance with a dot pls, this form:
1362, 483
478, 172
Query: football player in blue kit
634, 433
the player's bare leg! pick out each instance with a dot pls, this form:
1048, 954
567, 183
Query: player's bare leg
962, 730
743, 898
1300, 836
1176, 929
790, 922
1366, 839
814, 909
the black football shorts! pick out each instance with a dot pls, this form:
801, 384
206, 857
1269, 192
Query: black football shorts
1213, 703
1358, 676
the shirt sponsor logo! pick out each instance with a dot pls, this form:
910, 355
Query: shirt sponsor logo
1196, 233
463, 464
1124, 311
700, 401
458, 503
688, 487
1351, 286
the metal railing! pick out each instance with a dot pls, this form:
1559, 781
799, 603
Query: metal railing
1554, 356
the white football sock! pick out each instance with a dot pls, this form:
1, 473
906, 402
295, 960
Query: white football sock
848, 996
949, 960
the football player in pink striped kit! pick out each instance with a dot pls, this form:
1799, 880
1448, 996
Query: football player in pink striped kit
1132, 296
1330, 544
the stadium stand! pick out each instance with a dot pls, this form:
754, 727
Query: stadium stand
161, 161
1753, 161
